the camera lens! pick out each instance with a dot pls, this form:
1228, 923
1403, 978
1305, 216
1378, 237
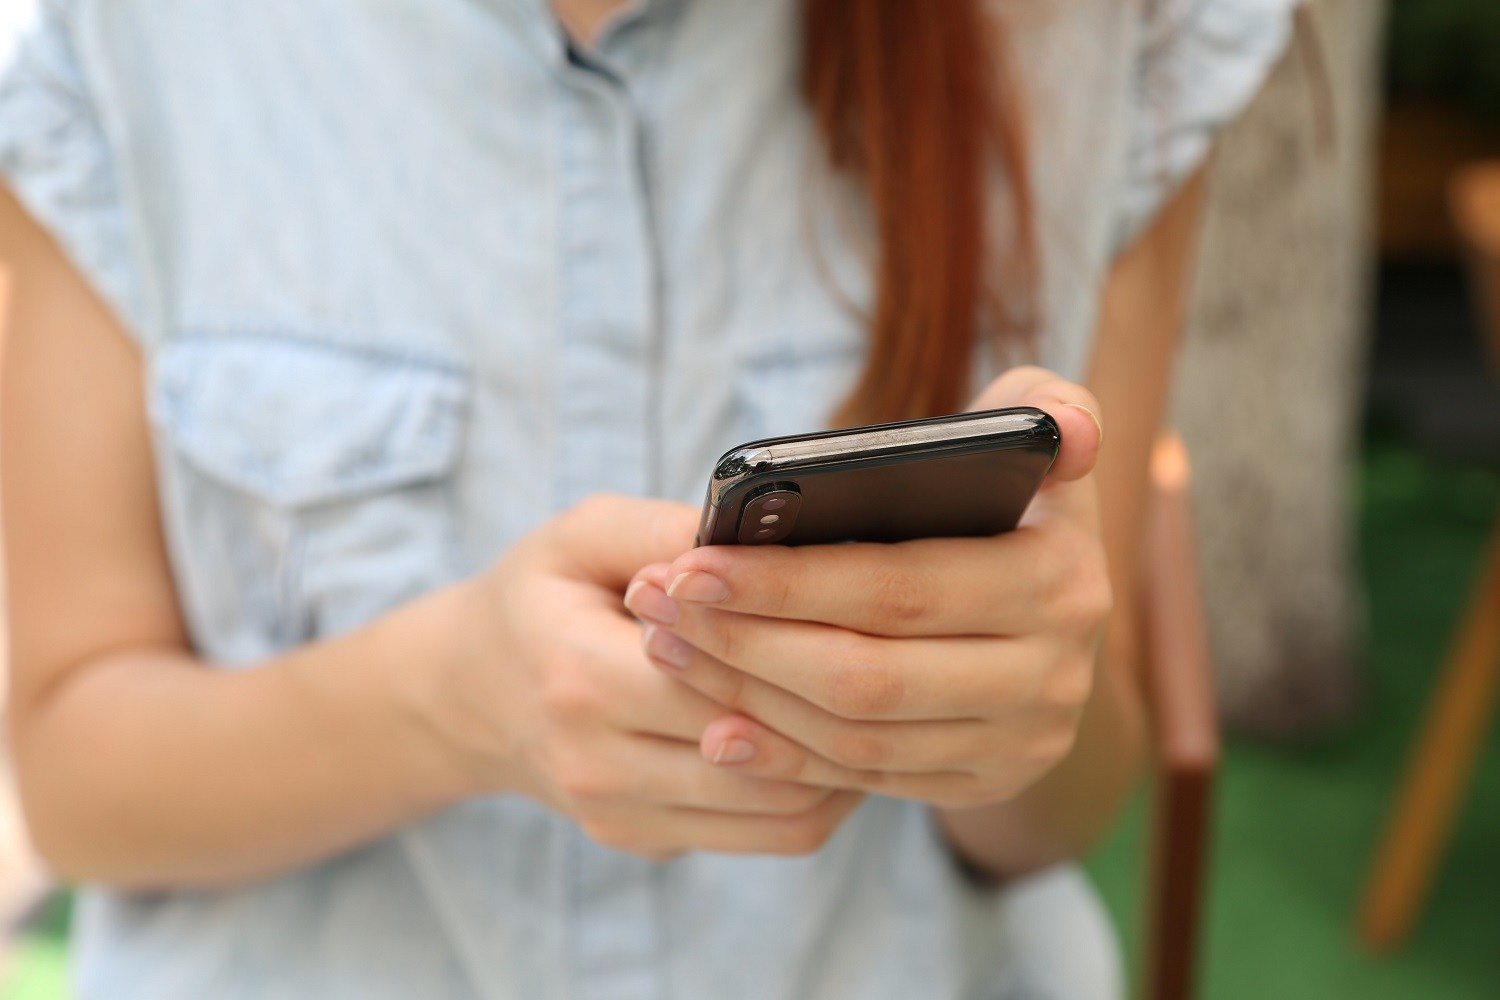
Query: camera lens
768, 515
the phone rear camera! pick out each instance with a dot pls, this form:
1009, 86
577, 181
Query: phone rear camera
770, 515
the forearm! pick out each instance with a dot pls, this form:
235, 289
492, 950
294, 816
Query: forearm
1064, 813
147, 769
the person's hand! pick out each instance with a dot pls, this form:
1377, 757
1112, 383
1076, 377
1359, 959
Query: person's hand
548, 694
952, 671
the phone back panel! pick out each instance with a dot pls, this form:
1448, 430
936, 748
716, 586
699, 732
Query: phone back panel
980, 488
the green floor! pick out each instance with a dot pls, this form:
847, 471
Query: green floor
1295, 826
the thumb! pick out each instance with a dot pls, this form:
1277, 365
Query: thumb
607, 537
1071, 406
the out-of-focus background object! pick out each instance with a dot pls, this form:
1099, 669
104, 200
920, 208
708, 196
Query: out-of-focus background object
1305, 789
1270, 381
1179, 698
1443, 70
1476, 210
1463, 705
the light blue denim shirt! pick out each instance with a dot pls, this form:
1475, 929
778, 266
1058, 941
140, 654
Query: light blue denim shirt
409, 279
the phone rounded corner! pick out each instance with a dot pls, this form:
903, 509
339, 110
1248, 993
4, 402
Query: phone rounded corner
734, 468
1043, 432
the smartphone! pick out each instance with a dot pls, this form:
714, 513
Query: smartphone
966, 474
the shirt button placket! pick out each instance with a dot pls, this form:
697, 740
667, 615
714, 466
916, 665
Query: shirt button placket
605, 371
606, 341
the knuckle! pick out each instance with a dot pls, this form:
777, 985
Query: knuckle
1093, 596
899, 597
860, 685
570, 696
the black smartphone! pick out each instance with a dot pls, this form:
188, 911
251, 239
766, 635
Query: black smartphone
966, 474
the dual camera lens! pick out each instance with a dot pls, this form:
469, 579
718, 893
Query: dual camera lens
769, 515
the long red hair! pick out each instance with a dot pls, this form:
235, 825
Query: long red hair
912, 102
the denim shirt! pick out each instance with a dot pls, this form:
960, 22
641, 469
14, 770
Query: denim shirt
410, 276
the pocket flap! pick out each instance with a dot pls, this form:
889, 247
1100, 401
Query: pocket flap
304, 422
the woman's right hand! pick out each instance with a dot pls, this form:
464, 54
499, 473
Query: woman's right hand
547, 693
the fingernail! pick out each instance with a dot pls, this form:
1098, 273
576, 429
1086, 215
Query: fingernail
650, 603
666, 648
1092, 416
734, 752
699, 587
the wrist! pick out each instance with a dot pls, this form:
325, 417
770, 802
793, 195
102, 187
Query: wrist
453, 738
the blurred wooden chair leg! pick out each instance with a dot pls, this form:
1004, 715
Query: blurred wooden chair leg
1426, 805
1179, 697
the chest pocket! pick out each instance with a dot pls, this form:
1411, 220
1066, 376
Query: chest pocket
307, 486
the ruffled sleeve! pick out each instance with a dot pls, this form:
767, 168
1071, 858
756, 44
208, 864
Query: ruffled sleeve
1200, 63
53, 152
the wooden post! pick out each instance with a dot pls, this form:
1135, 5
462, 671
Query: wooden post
1180, 700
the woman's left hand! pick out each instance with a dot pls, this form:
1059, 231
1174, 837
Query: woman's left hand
953, 671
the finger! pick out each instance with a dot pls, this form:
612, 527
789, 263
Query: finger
660, 576
607, 537
788, 729
930, 586
623, 687
852, 675
674, 773
790, 721
803, 833
776, 757
1068, 491
1073, 407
